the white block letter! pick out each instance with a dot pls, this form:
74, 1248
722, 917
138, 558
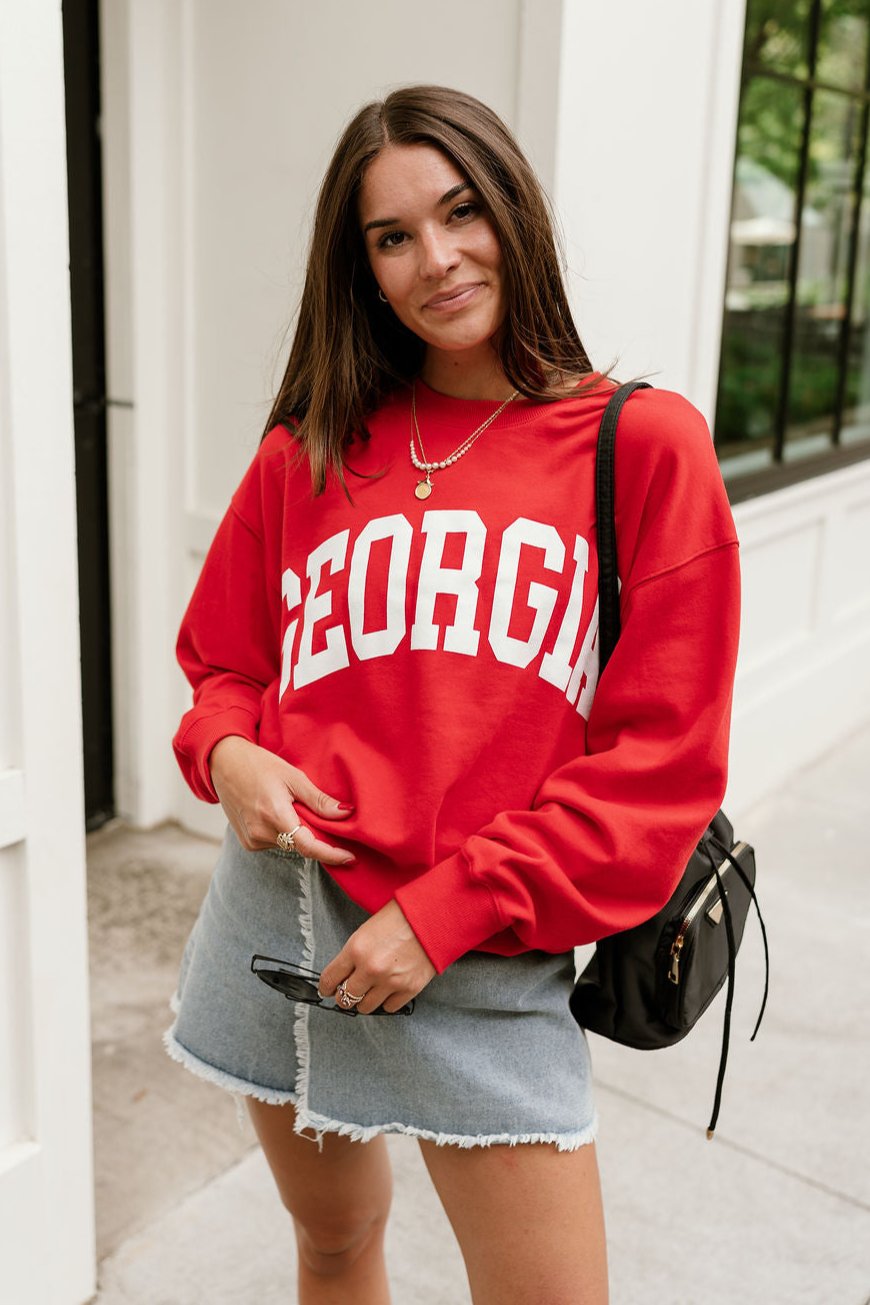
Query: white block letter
379, 643
291, 591
436, 579
587, 667
555, 666
541, 598
310, 665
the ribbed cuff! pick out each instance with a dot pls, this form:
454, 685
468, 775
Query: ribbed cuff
450, 910
192, 751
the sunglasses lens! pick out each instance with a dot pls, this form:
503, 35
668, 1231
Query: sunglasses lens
290, 984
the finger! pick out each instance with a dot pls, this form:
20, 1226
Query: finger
374, 998
379, 996
318, 803
308, 844
332, 974
395, 1002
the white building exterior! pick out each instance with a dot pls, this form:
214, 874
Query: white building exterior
218, 118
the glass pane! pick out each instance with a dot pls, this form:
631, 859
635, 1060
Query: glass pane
856, 408
763, 226
777, 35
842, 54
822, 283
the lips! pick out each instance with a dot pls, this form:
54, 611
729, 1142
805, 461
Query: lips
455, 296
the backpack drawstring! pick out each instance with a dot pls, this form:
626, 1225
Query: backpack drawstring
732, 954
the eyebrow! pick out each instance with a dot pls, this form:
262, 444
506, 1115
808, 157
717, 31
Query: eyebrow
445, 199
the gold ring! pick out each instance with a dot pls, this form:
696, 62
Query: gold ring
345, 998
285, 841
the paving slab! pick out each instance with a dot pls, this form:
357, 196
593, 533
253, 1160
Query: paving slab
694, 1223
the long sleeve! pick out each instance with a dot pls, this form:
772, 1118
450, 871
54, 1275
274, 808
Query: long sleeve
228, 643
611, 831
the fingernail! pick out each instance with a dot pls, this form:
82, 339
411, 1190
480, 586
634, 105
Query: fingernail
348, 860
344, 806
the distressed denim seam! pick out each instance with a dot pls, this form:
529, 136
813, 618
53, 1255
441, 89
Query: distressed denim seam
303, 1011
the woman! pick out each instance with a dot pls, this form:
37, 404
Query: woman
392, 650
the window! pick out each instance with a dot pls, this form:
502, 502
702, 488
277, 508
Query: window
794, 381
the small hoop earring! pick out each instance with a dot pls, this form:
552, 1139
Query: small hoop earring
383, 298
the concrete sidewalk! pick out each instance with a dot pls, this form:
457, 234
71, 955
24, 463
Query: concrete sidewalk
774, 1211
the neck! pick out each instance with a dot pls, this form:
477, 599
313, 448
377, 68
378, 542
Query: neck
466, 376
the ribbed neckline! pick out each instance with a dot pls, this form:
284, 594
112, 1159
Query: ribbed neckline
445, 408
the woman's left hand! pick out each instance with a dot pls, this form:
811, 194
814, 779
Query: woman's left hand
382, 960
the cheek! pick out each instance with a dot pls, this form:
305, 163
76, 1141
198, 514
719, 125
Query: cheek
489, 249
396, 277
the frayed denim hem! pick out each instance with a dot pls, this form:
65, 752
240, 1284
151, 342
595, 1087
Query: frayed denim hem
220, 1077
465, 1141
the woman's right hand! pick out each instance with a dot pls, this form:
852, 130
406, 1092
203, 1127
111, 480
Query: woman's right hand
257, 789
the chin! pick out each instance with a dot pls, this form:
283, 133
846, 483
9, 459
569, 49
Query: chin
468, 338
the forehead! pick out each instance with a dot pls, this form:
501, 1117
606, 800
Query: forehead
404, 178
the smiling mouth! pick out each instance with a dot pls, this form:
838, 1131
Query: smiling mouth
454, 298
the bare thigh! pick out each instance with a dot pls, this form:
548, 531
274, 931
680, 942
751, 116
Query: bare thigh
528, 1219
338, 1196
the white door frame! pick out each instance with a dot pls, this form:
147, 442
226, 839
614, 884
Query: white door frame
46, 1172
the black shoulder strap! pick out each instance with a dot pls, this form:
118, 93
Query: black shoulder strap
608, 585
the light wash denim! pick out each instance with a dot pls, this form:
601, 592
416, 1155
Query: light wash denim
490, 1054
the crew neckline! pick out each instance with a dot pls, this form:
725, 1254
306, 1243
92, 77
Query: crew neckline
519, 411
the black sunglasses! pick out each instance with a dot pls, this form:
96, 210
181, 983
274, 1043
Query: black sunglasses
298, 984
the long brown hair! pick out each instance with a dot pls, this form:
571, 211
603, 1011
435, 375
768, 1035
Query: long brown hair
349, 349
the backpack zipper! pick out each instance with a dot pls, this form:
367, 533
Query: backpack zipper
700, 900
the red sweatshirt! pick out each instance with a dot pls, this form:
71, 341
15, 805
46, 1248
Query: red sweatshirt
434, 663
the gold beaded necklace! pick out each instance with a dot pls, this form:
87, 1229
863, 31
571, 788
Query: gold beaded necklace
423, 488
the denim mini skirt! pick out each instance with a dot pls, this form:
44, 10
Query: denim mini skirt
490, 1054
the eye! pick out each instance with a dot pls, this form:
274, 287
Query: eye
467, 209
392, 240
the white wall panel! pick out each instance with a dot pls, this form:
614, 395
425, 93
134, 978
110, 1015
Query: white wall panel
850, 578
46, 1199
776, 617
16, 1080
27, 1274
143, 172
648, 112
803, 677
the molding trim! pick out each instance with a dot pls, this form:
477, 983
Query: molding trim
714, 196
199, 530
538, 82
13, 827
847, 483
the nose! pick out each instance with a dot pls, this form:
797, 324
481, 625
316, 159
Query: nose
438, 255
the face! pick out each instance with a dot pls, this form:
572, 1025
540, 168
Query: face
432, 248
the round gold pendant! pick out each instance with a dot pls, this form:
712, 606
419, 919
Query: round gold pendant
423, 489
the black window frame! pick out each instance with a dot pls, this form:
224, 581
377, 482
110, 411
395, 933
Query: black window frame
742, 486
